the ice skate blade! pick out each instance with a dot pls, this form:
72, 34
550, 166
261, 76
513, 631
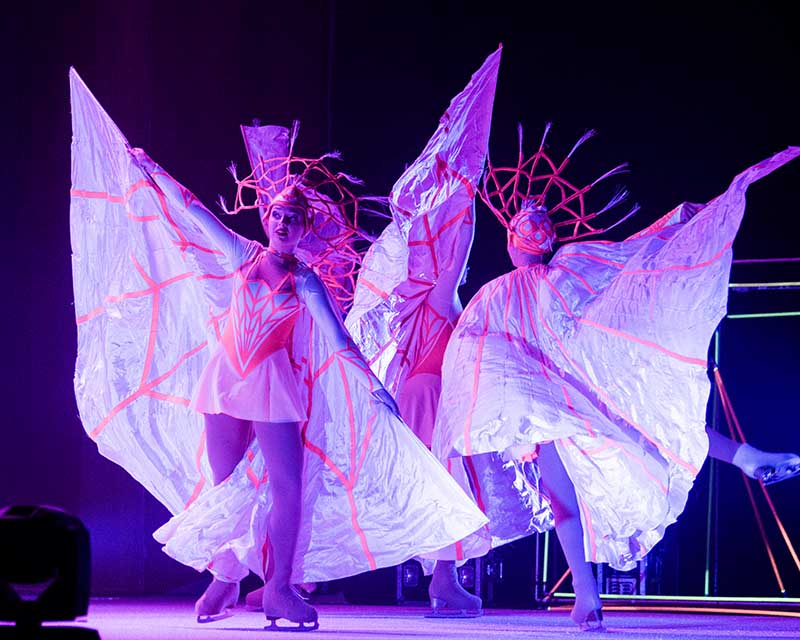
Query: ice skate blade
293, 627
593, 622
453, 613
439, 609
214, 617
771, 475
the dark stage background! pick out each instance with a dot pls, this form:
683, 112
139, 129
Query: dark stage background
688, 93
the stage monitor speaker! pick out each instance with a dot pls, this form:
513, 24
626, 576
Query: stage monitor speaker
44, 569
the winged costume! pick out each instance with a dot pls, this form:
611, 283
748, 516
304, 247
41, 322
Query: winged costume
164, 313
601, 350
406, 299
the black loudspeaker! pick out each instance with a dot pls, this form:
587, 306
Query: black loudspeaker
45, 568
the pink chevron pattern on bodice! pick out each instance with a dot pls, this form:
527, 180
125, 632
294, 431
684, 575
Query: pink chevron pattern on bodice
260, 320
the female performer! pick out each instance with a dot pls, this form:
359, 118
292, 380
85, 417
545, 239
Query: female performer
240, 339
406, 299
586, 371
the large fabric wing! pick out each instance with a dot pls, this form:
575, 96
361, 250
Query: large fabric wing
603, 351
138, 265
404, 305
428, 240
150, 293
406, 295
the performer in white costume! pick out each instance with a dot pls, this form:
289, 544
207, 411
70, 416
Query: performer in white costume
585, 372
191, 336
406, 299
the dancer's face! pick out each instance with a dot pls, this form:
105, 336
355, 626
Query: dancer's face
285, 227
530, 236
521, 258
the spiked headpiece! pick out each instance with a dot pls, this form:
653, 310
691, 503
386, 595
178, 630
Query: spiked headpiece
332, 211
539, 206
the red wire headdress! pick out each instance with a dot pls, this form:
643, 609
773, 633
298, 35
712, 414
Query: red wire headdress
536, 186
332, 242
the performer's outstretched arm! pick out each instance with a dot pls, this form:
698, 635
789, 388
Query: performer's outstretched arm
318, 301
453, 266
227, 241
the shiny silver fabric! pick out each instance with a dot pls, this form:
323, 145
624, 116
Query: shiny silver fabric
151, 292
603, 351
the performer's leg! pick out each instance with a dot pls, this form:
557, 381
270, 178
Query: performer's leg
282, 448
561, 492
254, 599
447, 595
227, 439
761, 465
